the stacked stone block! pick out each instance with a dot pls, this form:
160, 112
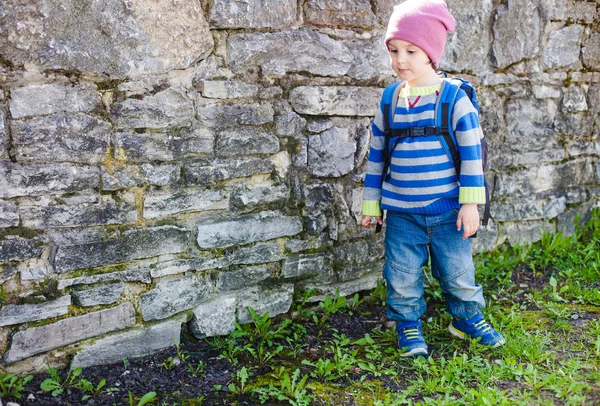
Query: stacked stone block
165, 166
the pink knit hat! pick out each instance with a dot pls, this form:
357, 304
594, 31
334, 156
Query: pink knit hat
423, 23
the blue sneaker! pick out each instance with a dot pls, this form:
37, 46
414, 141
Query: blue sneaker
476, 328
410, 339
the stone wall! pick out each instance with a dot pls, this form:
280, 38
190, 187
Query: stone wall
168, 164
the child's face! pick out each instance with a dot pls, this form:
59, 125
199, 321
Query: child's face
410, 62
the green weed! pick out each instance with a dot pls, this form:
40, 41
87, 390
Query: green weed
12, 386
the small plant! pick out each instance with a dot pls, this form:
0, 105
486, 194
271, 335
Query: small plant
240, 378
292, 389
90, 390
169, 363
57, 386
354, 303
181, 354
301, 312
11, 386
198, 370
125, 363
329, 306
147, 398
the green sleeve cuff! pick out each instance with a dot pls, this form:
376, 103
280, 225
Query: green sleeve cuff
471, 195
371, 208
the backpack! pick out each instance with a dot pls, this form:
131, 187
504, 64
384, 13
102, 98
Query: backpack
443, 129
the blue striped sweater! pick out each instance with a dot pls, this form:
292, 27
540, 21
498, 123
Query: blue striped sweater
423, 179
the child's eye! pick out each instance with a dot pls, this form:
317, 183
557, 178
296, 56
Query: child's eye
393, 51
410, 51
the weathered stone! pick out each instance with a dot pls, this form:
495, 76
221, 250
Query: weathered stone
61, 138
41, 178
316, 266
591, 50
33, 269
214, 318
258, 254
3, 143
359, 252
300, 157
563, 47
17, 314
525, 232
264, 300
208, 174
575, 125
7, 272
9, 214
526, 208
17, 248
66, 215
102, 295
517, 29
248, 198
331, 154
327, 13
545, 92
134, 244
42, 99
174, 296
319, 242
130, 344
320, 196
221, 89
246, 229
166, 203
290, 124
573, 100
275, 14
134, 275
544, 178
123, 177
367, 282
246, 141
185, 265
336, 100
113, 37
68, 331
530, 125
321, 55
583, 147
169, 108
241, 278
217, 115
467, 48
318, 125
348, 272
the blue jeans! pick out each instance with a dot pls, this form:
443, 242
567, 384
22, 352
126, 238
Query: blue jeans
410, 240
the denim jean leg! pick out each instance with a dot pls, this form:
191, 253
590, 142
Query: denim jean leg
405, 255
452, 265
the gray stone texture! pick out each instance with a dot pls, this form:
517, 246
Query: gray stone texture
274, 14
327, 13
246, 229
273, 300
37, 340
173, 296
574, 100
241, 278
222, 89
128, 176
42, 99
61, 137
517, 29
17, 248
234, 115
246, 141
260, 253
530, 125
290, 124
133, 275
36, 178
563, 47
37, 268
112, 37
102, 295
169, 108
211, 173
248, 198
336, 100
134, 244
214, 318
331, 153
9, 214
129, 344
591, 50
169, 202
17, 314
314, 266
177, 266
3, 139
305, 50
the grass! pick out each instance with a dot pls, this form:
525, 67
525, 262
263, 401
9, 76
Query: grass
543, 297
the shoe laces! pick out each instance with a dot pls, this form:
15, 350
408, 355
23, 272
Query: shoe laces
411, 333
482, 326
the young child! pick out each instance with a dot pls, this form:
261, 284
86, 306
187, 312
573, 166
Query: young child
430, 211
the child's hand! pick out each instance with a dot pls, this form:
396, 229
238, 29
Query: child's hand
468, 220
366, 221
